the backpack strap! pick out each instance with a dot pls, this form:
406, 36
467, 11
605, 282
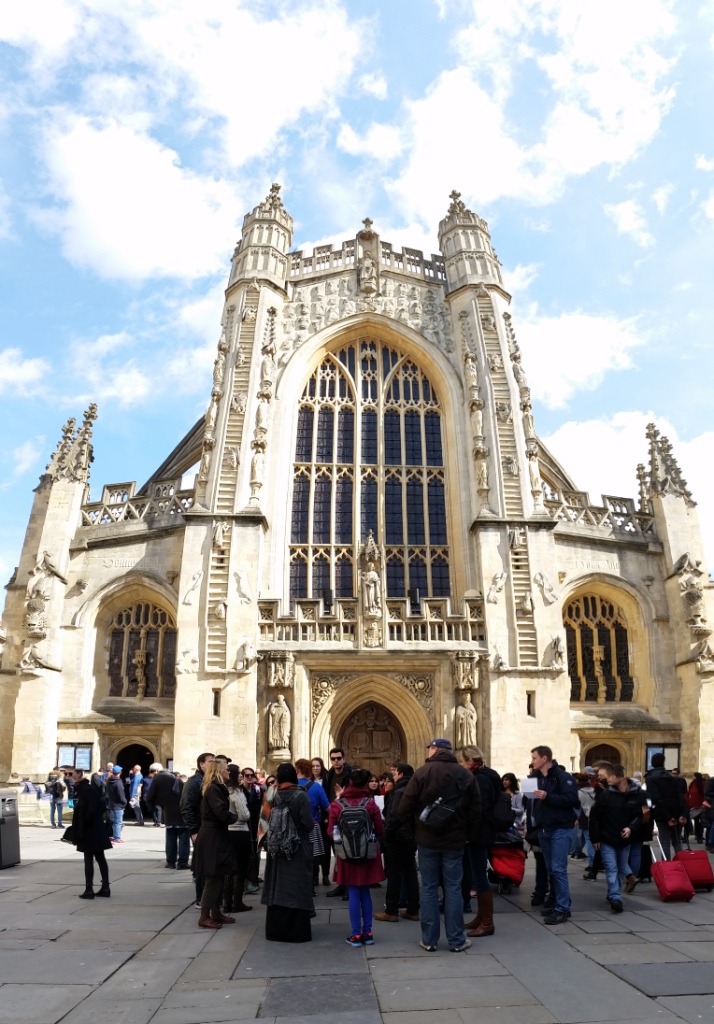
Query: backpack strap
309, 786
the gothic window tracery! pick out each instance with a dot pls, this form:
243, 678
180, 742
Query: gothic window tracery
597, 650
368, 456
142, 652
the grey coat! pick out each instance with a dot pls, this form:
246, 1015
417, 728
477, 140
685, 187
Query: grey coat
288, 883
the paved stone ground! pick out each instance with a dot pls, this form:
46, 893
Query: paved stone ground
140, 957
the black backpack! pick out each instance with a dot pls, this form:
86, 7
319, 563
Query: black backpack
357, 842
441, 816
283, 839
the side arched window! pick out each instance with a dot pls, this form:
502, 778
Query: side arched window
142, 652
368, 457
598, 654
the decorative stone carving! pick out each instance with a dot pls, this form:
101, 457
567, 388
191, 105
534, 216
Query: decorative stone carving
74, 453
280, 670
221, 536
495, 362
204, 468
35, 605
471, 372
476, 410
257, 468
525, 605
47, 567
373, 635
497, 584
219, 610
693, 597
510, 465
211, 416
519, 373
233, 457
504, 412
219, 367
368, 274
528, 421
497, 662
516, 538
464, 669
195, 584
245, 594
279, 726
703, 656
323, 687
372, 738
420, 686
245, 656
488, 322
239, 402
465, 720
371, 591
187, 662
557, 649
546, 588
665, 474
535, 480
32, 658
685, 563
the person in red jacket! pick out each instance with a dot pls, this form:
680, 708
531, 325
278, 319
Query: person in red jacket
360, 875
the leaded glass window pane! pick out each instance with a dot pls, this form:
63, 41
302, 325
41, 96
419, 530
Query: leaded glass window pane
369, 436
437, 512
344, 579
432, 435
301, 509
393, 525
415, 512
418, 576
440, 580
325, 431
395, 578
321, 510
369, 508
343, 510
298, 578
320, 576
346, 437
392, 439
303, 442
412, 438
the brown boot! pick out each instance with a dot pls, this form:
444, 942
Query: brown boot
205, 920
477, 920
485, 912
221, 918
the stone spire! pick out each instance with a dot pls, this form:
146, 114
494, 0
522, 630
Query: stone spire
266, 238
465, 241
74, 453
665, 474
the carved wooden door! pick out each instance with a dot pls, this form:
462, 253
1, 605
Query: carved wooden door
372, 738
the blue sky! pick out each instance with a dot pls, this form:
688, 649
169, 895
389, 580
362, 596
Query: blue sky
134, 135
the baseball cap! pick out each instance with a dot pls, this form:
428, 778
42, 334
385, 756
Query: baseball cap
589, 770
117, 769
442, 744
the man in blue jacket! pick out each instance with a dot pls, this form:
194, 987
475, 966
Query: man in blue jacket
135, 793
555, 807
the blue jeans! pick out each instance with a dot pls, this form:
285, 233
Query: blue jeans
56, 809
617, 866
589, 847
447, 866
116, 817
635, 858
360, 909
555, 844
178, 846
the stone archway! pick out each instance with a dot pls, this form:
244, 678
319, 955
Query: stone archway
602, 752
372, 738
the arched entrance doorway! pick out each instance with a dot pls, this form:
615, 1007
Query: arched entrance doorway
134, 753
372, 738
603, 752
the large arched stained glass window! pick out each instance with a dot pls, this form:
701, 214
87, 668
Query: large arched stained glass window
598, 650
368, 456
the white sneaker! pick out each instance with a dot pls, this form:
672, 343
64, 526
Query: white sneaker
462, 948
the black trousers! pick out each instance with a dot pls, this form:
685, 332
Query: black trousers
89, 859
401, 867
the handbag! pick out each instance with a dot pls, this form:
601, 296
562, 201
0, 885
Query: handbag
68, 836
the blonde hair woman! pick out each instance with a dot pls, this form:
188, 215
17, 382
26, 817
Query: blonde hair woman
213, 855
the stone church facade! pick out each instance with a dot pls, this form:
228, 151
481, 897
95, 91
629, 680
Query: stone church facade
376, 547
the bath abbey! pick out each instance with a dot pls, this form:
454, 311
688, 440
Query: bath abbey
363, 542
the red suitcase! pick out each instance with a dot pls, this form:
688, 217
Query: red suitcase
508, 862
698, 867
672, 880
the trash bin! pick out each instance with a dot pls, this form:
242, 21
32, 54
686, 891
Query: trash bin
9, 829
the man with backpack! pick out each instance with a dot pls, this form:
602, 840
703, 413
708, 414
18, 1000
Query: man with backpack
57, 790
556, 805
442, 806
669, 808
497, 815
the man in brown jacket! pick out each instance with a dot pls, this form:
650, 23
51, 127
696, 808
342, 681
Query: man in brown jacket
442, 805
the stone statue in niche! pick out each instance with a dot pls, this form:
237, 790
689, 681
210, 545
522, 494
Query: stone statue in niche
279, 727
471, 371
534, 474
219, 367
546, 588
528, 422
487, 322
211, 416
482, 474
476, 408
516, 538
368, 274
510, 465
221, 534
465, 719
233, 457
504, 412
693, 598
239, 402
519, 374
372, 591
497, 584
262, 415
204, 468
495, 362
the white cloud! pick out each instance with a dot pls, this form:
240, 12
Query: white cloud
603, 94
661, 196
104, 370
5, 218
708, 206
128, 207
703, 163
19, 376
617, 443
27, 455
629, 219
518, 279
573, 351
380, 141
374, 85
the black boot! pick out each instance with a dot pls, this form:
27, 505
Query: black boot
88, 894
104, 891
339, 890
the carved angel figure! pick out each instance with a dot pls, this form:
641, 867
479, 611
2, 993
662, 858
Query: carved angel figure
546, 588
497, 584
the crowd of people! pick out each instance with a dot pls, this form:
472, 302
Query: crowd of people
428, 832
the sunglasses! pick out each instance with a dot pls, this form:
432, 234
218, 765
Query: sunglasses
271, 782
248, 775
338, 758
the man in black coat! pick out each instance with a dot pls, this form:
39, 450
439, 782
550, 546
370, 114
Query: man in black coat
614, 818
165, 792
489, 784
89, 833
190, 804
669, 808
115, 795
442, 784
399, 853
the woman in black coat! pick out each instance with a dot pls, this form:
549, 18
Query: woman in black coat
213, 855
89, 833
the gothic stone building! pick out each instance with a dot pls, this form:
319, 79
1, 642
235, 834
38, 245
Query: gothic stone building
377, 549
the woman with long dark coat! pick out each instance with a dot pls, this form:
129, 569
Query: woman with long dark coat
287, 889
212, 853
89, 833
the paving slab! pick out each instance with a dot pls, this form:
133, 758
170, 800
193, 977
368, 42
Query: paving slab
13, 943
436, 967
50, 965
450, 993
216, 967
317, 995
265, 959
141, 978
602, 926
669, 979
695, 1009
99, 1007
702, 951
368, 1017
210, 994
635, 953
87, 939
164, 946
505, 1015
423, 1017
690, 935
49, 1003
584, 941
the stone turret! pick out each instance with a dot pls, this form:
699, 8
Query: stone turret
465, 241
266, 238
